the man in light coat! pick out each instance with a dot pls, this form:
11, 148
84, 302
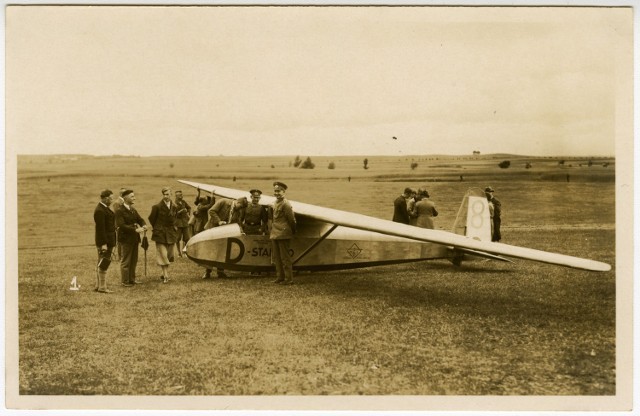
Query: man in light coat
283, 227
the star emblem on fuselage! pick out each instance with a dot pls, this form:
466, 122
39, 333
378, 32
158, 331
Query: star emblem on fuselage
354, 251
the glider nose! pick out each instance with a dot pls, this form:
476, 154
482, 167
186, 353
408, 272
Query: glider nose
210, 245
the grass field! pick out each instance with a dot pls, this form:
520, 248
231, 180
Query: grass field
420, 329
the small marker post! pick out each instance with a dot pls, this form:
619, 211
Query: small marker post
74, 284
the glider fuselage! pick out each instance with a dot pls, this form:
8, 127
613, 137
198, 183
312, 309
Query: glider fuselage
314, 247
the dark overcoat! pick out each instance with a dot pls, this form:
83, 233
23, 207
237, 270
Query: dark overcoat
163, 221
126, 220
400, 211
105, 226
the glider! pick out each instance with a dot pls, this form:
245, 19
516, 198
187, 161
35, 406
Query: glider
331, 239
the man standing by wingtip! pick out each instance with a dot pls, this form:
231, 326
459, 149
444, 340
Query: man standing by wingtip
497, 211
283, 227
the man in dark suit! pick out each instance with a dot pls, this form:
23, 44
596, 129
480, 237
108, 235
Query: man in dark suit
400, 211
129, 225
105, 236
163, 220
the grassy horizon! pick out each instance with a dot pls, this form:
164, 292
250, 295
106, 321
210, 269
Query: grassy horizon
426, 328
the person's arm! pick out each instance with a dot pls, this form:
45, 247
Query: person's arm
214, 213
291, 219
153, 216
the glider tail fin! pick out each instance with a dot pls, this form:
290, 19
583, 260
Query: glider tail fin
473, 219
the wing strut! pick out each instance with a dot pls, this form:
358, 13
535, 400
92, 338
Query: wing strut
315, 244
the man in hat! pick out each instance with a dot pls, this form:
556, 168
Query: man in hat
400, 211
497, 210
255, 216
283, 227
163, 220
114, 207
105, 236
129, 225
183, 211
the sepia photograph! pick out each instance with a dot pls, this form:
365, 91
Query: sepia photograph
334, 208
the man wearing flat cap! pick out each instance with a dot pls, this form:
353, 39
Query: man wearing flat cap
496, 207
255, 216
105, 235
129, 225
283, 227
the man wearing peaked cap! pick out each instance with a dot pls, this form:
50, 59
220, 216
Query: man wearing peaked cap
283, 227
279, 185
255, 216
496, 208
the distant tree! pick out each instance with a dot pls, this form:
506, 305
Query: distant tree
476, 152
560, 162
504, 164
297, 162
366, 162
414, 165
307, 164
528, 166
590, 163
606, 164
331, 165
273, 167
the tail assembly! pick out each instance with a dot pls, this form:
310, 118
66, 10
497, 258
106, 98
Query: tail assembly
473, 221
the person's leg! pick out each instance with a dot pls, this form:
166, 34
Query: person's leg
276, 256
133, 264
125, 262
287, 264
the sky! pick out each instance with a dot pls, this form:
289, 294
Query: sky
316, 80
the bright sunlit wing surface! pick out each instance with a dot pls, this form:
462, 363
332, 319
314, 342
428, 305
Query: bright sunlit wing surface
467, 238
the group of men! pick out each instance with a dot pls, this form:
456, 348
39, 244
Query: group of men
415, 208
118, 224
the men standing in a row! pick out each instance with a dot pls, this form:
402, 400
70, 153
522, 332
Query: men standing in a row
255, 216
105, 236
400, 211
283, 227
163, 220
497, 211
129, 225
183, 210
